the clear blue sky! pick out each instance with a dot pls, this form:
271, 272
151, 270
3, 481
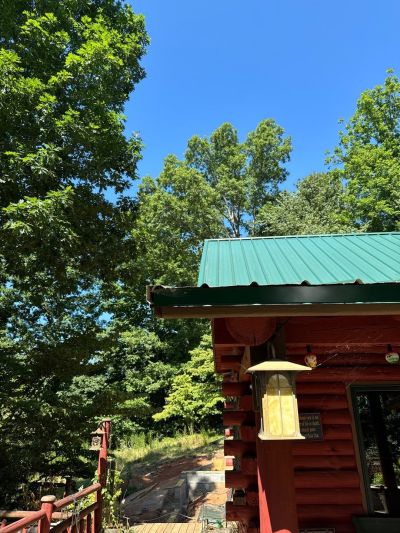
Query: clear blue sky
302, 62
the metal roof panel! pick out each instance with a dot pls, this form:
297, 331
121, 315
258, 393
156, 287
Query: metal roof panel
292, 260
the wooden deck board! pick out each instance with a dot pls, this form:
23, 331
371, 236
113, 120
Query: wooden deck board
177, 527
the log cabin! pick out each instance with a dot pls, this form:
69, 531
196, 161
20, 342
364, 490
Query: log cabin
330, 303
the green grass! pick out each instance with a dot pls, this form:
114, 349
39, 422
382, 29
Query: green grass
147, 449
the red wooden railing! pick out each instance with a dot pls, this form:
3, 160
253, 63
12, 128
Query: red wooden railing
52, 519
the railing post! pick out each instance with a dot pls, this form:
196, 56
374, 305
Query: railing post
47, 506
102, 474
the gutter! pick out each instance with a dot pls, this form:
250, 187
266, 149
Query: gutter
275, 300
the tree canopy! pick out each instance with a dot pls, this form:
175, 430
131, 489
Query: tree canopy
368, 156
66, 70
316, 206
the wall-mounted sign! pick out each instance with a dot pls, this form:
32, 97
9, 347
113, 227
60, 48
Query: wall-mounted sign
319, 530
311, 429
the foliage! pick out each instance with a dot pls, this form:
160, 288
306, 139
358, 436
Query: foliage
316, 206
368, 153
66, 70
195, 395
245, 176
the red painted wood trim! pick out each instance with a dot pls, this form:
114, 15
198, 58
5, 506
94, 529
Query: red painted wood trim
276, 485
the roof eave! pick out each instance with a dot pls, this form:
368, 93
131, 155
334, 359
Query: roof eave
283, 300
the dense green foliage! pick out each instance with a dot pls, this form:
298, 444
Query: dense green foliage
195, 395
369, 155
66, 70
77, 338
316, 206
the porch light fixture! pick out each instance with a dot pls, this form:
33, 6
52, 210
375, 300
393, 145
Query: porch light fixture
275, 398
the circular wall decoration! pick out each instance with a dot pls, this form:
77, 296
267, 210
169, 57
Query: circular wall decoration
251, 331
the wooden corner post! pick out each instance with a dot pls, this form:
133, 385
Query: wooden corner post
275, 470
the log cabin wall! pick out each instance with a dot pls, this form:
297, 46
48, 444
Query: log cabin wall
350, 350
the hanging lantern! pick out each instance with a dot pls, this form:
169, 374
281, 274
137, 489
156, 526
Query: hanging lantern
97, 438
275, 398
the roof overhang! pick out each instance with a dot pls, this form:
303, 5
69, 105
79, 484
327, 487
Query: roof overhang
275, 300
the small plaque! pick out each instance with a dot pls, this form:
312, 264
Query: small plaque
319, 530
311, 429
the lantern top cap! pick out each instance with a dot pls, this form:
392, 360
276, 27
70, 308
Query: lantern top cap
278, 365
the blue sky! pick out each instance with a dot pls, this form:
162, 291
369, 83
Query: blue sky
302, 62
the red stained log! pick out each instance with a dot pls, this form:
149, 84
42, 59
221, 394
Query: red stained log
248, 465
336, 359
342, 330
252, 497
229, 362
238, 480
238, 448
338, 432
320, 388
248, 433
235, 389
327, 480
326, 403
332, 447
329, 497
329, 513
351, 375
246, 402
237, 418
333, 462
341, 416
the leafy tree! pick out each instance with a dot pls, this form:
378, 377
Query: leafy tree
137, 377
195, 395
245, 175
316, 206
66, 70
369, 156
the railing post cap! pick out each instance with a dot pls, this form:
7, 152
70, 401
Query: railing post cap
106, 420
48, 499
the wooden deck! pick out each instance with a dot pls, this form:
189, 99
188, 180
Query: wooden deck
185, 527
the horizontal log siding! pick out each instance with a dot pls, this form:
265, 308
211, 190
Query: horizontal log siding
327, 481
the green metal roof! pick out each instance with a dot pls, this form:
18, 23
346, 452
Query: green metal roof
367, 258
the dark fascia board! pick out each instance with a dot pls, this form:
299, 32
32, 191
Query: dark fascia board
159, 296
